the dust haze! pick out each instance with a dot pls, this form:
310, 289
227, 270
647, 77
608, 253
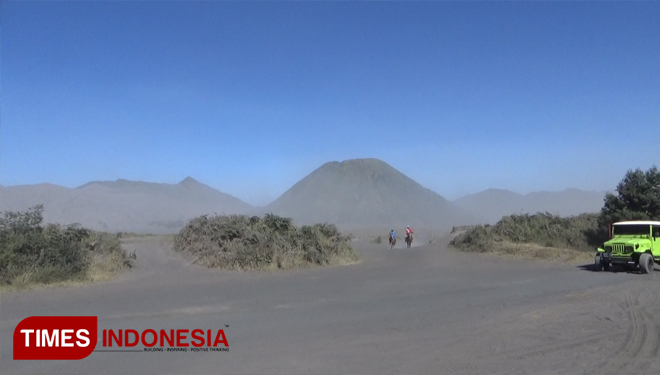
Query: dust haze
365, 193
425, 309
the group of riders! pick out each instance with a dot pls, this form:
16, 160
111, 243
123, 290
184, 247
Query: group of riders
409, 237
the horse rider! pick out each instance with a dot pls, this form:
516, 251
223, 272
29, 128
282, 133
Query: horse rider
392, 235
409, 231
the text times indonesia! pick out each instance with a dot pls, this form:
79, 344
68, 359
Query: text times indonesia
76, 337
172, 340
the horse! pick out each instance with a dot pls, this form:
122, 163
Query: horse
409, 239
392, 242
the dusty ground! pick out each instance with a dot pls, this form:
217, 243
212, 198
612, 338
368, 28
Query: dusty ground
425, 310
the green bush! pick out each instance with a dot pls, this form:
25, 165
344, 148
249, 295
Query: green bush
31, 253
242, 242
582, 232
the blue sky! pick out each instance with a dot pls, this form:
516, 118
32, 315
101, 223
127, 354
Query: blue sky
250, 97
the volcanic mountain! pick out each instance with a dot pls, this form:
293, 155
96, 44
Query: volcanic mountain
366, 193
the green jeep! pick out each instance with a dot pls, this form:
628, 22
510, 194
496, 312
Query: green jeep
631, 243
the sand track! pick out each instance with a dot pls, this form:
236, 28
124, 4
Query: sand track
424, 310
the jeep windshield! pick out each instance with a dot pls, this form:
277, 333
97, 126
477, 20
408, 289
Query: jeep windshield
634, 229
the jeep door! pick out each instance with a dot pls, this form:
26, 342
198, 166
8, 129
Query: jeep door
655, 231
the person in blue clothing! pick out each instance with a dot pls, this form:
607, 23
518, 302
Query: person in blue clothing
392, 236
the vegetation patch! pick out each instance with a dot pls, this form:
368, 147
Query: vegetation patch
240, 242
534, 251
36, 255
580, 232
547, 236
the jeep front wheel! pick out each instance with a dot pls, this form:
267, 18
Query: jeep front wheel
597, 263
646, 263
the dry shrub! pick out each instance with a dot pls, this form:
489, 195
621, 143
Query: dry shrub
241, 242
35, 254
581, 233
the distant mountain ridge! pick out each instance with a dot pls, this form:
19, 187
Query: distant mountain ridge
123, 205
492, 204
366, 193
188, 185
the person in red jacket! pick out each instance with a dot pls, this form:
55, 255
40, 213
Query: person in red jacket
409, 233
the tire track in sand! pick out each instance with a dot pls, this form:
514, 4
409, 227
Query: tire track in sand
641, 345
527, 354
558, 347
571, 346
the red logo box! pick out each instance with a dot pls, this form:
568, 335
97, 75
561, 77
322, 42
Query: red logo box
55, 337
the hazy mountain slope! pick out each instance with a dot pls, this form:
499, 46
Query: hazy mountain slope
365, 193
123, 205
492, 204
188, 191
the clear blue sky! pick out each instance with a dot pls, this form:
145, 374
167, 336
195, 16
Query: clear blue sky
250, 97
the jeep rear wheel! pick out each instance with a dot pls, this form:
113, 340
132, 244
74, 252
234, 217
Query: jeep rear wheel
646, 263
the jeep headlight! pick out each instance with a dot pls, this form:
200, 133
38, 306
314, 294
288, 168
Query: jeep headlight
608, 249
629, 249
